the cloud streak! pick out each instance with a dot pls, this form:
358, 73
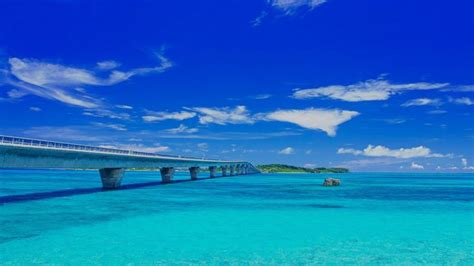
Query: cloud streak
63, 83
108, 65
106, 113
181, 129
461, 101
161, 116
422, 102
369, 90
402, 153
117, 127
290, 6
285, 8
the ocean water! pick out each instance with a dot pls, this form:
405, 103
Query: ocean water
63, 217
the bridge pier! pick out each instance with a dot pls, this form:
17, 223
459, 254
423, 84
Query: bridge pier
224, 170
212, 171
17, 152
167, 174
240, 169
194, 171
111, 177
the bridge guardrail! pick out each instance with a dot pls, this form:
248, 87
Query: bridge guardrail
77, 147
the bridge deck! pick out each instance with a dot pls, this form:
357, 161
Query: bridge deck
18, 152
9, 141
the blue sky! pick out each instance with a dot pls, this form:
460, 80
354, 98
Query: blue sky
369, 85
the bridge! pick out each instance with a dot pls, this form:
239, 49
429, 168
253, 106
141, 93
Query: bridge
17, 152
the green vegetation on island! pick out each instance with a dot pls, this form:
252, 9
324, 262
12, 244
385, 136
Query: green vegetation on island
282, 168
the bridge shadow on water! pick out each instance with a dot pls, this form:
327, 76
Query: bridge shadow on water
82, 191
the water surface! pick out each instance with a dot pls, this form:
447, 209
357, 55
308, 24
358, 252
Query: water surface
373, 218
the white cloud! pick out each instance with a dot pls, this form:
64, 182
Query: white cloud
326, 120
459, 88
287, 151
461, 101
106, 113
15, 94
465, 165
35, 109
108, 65
60, 83
262, 96
370, 90
40, 74
394, 121
74, 97
258, 20
203, 146
421, 102
223, 116
437, 112
117, 127
123, 106
156, 148
285, 7
160, 116
182, 129
47, 74
290, 6
402, 153
417, 166
349, 151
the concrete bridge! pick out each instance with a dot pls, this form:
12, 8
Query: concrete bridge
18, 152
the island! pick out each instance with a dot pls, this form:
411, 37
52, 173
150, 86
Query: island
283, 168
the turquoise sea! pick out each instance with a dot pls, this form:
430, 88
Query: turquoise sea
63, 218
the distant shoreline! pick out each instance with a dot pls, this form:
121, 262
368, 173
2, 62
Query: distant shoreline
290, 169
297, 173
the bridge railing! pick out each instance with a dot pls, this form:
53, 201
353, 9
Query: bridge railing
76, 147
